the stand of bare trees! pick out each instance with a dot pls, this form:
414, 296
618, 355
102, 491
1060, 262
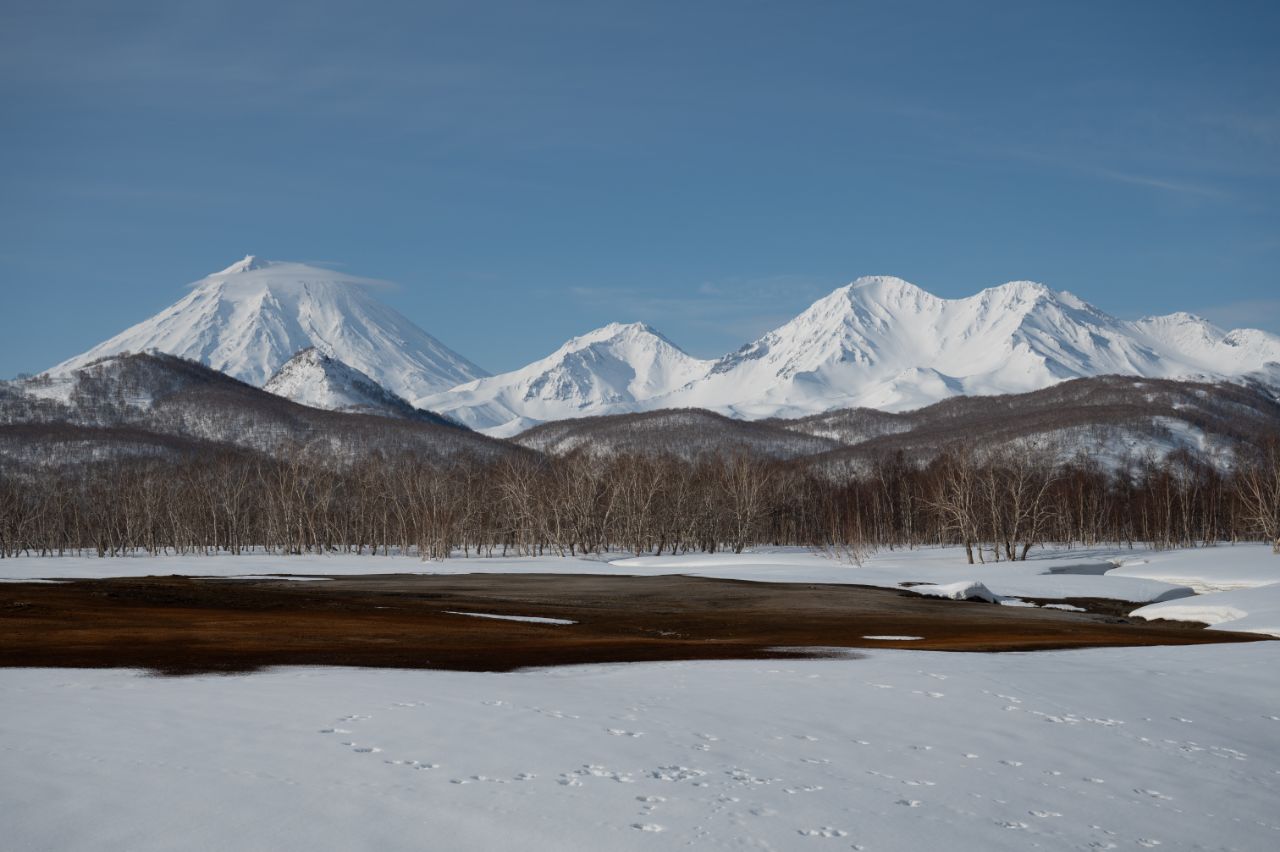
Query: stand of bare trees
997, 504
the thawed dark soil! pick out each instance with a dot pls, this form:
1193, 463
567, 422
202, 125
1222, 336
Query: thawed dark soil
180, 625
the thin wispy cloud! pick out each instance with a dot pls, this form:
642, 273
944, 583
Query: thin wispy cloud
1245, 313
721, 315
1088, 168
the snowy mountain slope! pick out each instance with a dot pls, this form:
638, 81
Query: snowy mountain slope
161, 405
1111, 420
314, 379
252, 317
1114, 421
884, 343
615, 368
685, 433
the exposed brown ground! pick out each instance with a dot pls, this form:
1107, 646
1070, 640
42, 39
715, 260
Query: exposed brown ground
180, 625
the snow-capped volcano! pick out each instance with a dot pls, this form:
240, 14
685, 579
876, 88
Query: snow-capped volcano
615, 368
253, 316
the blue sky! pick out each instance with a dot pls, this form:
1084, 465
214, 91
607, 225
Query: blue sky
528, 171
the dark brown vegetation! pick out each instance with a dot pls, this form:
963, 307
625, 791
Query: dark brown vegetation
151, 453
998, 504
179, 625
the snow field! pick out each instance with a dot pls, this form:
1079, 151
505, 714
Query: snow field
1100, 749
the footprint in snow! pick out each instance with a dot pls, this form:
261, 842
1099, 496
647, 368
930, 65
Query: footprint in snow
910, 803
1155, 794
646, 826
619, 732
824, 831
1014, 763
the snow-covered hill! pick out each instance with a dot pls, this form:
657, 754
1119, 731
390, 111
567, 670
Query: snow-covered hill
253, 316
613, 369
314, 379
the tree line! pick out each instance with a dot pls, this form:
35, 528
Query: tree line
998, 504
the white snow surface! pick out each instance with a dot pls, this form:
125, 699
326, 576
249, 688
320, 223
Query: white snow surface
1160, 575
1215, 569
1249, 610
963, 590
252, 317
1172, 747
532, 619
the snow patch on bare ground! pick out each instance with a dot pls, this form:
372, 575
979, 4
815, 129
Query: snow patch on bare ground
1105, 748
534, 619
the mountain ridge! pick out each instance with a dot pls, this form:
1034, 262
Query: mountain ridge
878, 342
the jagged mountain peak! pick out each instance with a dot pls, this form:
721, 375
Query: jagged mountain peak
318, 380
616, 332
250, 263
620, 364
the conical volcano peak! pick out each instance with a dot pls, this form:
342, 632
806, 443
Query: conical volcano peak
250, 263
252, 317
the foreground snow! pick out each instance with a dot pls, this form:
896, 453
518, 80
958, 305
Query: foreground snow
941, 565
1115, 748
1255, 610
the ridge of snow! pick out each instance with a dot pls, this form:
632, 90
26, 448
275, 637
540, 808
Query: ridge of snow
315, 379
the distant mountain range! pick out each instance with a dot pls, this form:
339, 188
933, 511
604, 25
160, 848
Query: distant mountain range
322, 339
